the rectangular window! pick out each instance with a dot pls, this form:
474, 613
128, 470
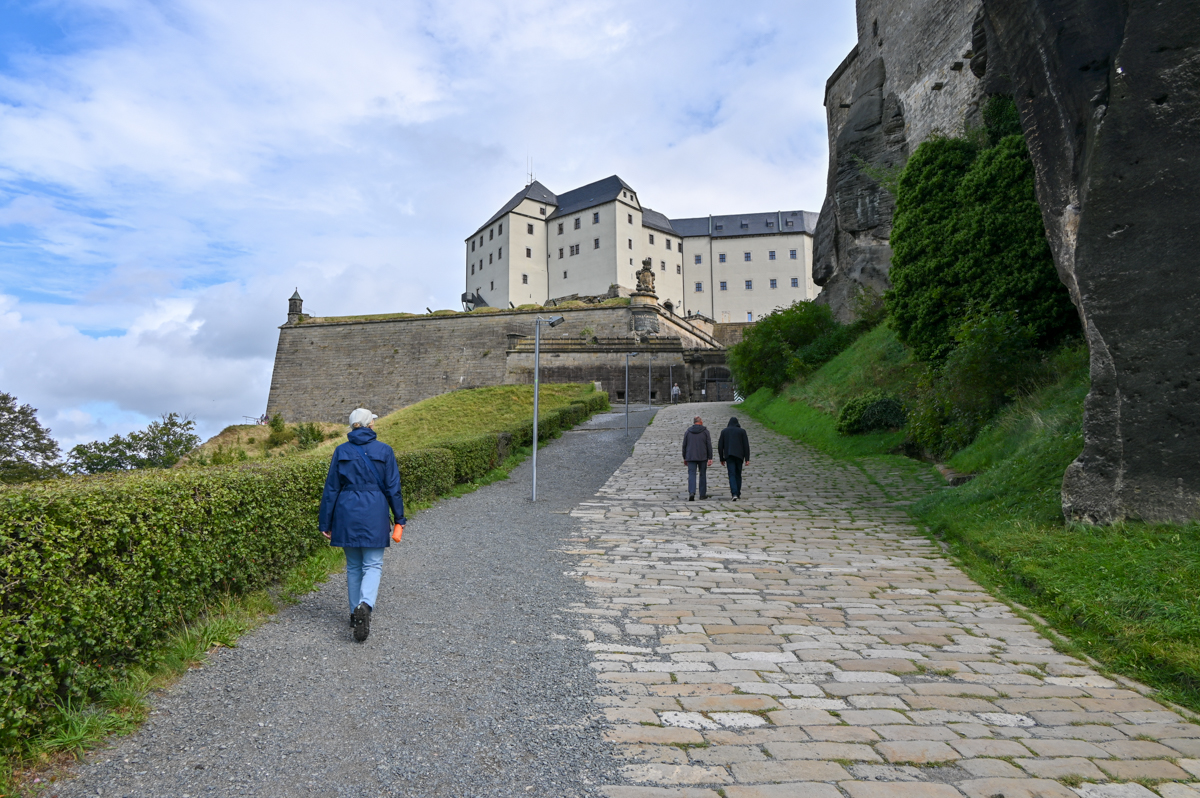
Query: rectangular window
481, 264
595, 243
499, 253
790, 223
596, 218
542, 210
560, 251
792, 254
481, 239
472, 267
500, 231
631, 243
770, 223
574, 249
699, 287
721, 258
652, 238
564, 275
795, 282
528, 252
745, 225
681, 246
662, 266
472, 245
724, 286
668, 243
749, 316
697, 260
774, 283
524, 279
719, 227
560, 224
771, 255
576, 222
489, 258
491, 234
630, 217
493, 285
749, 285
746, 256
679, 268
529, 229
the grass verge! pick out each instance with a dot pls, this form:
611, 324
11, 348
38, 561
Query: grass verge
1127, 595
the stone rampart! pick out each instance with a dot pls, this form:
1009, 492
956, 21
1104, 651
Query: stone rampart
324, 368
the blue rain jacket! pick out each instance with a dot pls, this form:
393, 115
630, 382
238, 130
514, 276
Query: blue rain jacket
353, 508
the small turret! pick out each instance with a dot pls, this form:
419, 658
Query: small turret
295, 308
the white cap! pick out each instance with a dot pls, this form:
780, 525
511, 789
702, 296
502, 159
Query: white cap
362, 417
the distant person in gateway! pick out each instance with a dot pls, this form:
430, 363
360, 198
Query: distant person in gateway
363, 484
675, 393
697, 453
733, 448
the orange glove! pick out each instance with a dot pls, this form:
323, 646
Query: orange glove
397, 532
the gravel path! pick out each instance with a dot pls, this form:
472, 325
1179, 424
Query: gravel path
474, 681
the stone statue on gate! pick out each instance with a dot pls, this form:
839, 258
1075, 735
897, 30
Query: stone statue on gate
645, 277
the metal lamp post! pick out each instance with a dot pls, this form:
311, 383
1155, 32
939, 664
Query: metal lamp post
537, 363
627, 356
649, 379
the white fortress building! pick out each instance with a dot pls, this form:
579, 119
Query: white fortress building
541, 246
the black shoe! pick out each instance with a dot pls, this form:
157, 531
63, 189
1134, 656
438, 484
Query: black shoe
362, 622
703, 496
691, 497
735, 498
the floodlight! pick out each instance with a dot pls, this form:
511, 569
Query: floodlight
557, 320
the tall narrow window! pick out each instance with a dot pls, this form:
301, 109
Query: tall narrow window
697, 260
524, 279
472, 245
489, 257
749, 316
472, 267
499, 252
560, 251
662, 266
576, 222
792, 254
529, 229
596, 217
679, 268
631, 243
564, 275
560, 224
668, 243
528, 252
652, 238
629, 216
771, 255
595, 243
500, 230
680, 243
491, 234
749, 285
492, 285
746, 256
724, 286
699, 287
542, 210
721, 257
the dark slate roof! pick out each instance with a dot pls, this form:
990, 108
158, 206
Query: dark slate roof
534, 191
657, 221
756, 224
590, 196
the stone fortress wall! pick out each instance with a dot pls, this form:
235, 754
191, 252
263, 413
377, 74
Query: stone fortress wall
326, 367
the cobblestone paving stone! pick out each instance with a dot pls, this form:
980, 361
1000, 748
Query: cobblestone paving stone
809, 641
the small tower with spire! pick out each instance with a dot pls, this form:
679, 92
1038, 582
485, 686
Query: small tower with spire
295, 307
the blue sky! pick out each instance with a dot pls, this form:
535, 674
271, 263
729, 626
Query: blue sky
171, 171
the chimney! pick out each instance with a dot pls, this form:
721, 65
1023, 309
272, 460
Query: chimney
295, 308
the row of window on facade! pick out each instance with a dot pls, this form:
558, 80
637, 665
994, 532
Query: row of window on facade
724, 285
745, 224
746, 256
492, 234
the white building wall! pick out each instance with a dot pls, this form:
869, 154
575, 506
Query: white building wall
697, 301
488, 254
748, 294
527, 279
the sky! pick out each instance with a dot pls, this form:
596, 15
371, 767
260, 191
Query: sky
171, 171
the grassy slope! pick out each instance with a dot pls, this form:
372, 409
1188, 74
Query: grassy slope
1128, 595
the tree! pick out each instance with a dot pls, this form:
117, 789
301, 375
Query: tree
764, 356
27, 451
161, 445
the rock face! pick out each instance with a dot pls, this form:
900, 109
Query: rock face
1109, 94
907, 79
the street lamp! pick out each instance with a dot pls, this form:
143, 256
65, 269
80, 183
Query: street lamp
627, 356
553, 321
649, 379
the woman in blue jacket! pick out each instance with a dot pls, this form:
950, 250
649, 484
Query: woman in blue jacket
363, 483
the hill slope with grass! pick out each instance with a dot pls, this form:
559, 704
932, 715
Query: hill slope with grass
1127, 595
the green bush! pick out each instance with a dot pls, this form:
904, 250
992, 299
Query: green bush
764, 357
870, 412
968, 240
280, 432
993, 361
308, 435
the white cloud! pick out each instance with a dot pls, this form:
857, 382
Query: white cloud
174, 170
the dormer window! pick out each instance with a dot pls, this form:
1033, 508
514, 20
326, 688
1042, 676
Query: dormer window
770, 223
542, 211
745, 225
720, 227
790, 223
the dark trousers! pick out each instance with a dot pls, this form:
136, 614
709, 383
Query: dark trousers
693, 467
734, 465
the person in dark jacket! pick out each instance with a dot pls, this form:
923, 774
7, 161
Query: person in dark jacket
362, 485
697, 453
733, 447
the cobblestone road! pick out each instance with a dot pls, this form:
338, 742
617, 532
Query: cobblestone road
808, 641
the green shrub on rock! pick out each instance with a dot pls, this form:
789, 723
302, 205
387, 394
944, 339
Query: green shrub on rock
870, 412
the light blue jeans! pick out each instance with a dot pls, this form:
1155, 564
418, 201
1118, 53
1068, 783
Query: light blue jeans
363, 569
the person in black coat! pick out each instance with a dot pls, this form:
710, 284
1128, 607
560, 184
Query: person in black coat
363, 484
697, 453
733, 447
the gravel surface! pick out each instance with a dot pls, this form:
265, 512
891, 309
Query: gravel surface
474, 681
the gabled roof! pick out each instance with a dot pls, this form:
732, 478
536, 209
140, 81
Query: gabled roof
657, 221
756, 224
590, 196
534, 191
